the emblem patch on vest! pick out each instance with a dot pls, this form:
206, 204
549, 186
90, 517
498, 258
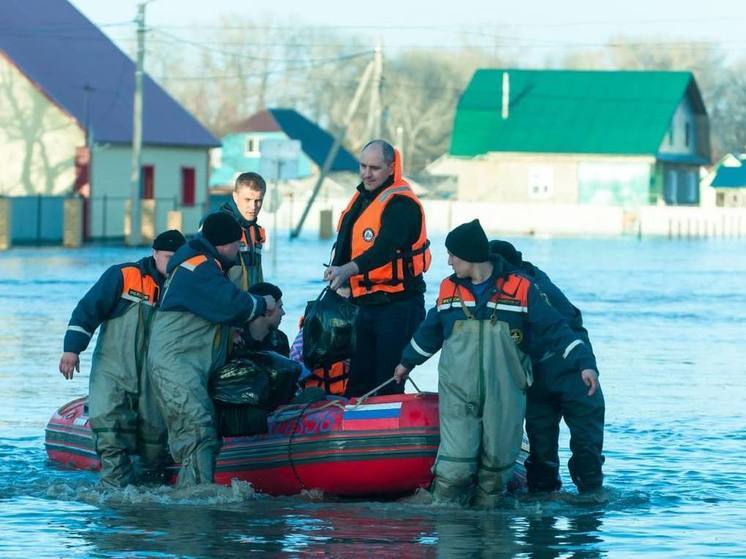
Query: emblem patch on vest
517, 335
368, 234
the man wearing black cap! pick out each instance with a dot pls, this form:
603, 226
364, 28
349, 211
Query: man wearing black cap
558, 393
190, 337
489, 323
123, 415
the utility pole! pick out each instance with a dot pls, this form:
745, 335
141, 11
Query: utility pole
375, 107
331, 156
134, 238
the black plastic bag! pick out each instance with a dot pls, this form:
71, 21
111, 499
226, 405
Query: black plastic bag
261, 378
328, 329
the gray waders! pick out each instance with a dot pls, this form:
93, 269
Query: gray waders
482, 383
184, 351
124, 417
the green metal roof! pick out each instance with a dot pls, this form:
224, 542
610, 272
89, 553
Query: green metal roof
566, 111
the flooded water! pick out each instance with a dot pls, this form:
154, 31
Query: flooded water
667, 320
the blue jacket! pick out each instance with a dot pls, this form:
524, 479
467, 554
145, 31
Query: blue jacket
198, 284
536, 327
563, 305
120, 287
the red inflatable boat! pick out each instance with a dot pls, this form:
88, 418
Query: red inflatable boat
383, 445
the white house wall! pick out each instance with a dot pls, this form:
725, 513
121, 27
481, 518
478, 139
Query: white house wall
530, 178
111, 168
37, 139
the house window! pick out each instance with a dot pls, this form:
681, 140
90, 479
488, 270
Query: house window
540, 182
670, 135
251, 147
687, 133
692, 194
188, 186
147, 182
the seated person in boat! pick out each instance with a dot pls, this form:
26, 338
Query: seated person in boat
558, 392
490, 322
123, 415
264, 332
189, 340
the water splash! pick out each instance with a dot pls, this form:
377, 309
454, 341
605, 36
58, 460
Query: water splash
199, 495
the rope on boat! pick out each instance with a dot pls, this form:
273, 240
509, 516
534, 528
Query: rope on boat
413, 384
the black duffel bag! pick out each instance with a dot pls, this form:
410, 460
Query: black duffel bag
328, 329
245, 390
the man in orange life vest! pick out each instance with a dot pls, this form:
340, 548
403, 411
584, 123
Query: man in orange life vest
122, 410
245, 205
380, 255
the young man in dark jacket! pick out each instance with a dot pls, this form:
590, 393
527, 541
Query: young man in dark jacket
122, 411
557, 393
245, 205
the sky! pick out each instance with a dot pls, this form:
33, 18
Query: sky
537, 28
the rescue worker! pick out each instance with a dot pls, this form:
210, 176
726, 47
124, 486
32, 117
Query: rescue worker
558, 393
123, 415
332, 379
380, 256
244, 206
190, 338
490, 323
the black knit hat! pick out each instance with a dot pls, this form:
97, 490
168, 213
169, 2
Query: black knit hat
220, 228
507, 251
169, 240
468, 242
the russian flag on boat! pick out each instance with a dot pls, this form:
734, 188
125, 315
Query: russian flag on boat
369, 417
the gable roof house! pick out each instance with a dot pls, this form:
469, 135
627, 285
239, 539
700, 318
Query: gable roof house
725, 185
624, 138
66, 98
242, 146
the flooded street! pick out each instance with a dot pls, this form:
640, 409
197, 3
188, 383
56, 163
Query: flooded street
667, 320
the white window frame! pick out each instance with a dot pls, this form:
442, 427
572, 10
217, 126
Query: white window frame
540, 182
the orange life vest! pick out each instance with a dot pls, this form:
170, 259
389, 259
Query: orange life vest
332, 379
388, 278
511, 296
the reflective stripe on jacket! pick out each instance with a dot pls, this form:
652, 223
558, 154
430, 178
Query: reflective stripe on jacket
534, 325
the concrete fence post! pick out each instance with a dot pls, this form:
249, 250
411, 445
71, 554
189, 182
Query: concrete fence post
147, 223
5, 225
325, 224
175, 220
72, 222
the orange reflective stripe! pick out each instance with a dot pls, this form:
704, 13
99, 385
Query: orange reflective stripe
191, 263
513, 288
257, 235
346, 210
137, 287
